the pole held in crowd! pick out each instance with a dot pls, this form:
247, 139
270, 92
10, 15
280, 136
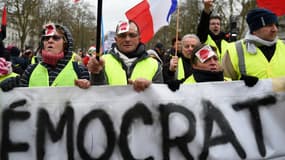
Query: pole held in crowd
98, 35
177, 27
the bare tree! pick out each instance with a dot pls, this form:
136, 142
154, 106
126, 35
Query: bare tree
23, 13
30, 15
190, 11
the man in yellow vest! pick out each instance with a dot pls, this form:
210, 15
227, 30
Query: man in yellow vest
260, 54
209, 29
127, 62
206, 66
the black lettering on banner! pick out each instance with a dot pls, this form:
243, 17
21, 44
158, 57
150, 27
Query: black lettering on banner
180, 142
44, 124
138, 111
253, 104
109, 129
10, 115
18, 103
214, 114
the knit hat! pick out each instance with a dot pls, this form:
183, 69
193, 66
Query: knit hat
260, 17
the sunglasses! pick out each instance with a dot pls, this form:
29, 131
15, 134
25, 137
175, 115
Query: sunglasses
124, 35
54, 37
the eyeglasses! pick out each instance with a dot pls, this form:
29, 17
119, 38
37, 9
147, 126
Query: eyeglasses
54, 37
124, 35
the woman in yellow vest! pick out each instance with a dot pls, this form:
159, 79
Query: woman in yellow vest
57, 67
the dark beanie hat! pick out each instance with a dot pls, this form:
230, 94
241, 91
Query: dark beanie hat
260, 17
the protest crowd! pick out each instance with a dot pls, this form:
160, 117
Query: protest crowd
207, 55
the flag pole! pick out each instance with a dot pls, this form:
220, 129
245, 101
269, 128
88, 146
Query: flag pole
177, 26
98, 35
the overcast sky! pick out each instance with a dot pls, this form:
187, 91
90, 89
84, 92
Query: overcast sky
113, 11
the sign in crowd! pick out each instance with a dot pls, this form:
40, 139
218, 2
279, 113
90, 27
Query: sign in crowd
213, 121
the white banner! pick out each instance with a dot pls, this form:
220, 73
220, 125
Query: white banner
213, 121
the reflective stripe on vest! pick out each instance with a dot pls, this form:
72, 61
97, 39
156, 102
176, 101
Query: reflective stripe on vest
40, 77
257, 64
240, 57
2, 78
224, 45
116, 75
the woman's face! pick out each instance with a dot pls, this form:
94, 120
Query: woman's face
54, 44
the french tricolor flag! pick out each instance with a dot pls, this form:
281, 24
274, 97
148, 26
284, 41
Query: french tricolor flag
151, 15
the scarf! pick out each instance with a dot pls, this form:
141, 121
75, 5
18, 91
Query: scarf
51, 58
252, 41
207, 76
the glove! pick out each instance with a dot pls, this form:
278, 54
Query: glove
249, 81
174, 85
10, 83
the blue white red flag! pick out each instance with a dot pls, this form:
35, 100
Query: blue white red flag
151, 15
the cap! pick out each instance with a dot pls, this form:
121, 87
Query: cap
122, 27
260, 17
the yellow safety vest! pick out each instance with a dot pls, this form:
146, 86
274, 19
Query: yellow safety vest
256, 64
116, 75
2, 78
40, 77
224, 45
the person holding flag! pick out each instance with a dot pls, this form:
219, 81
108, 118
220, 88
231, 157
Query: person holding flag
127, 61
179, 66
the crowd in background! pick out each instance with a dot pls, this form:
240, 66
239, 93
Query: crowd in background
208, 55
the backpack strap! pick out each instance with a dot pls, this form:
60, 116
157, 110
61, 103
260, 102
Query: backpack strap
240, 53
